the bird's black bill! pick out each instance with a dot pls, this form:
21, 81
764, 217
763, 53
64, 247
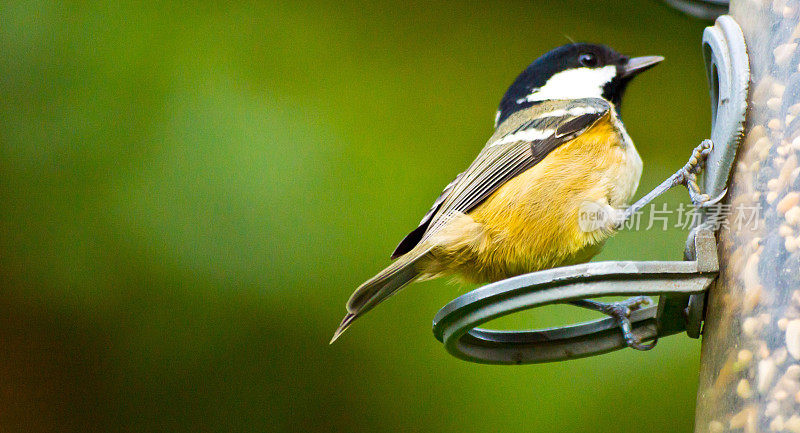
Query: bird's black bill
641, 64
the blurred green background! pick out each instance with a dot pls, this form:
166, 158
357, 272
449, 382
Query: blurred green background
190, 192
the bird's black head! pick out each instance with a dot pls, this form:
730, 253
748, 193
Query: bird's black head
573, 71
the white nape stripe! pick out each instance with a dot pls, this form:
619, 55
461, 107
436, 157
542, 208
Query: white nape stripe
497, 117
573, 83
530, 134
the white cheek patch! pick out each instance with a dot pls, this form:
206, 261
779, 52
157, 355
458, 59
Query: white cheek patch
574, 83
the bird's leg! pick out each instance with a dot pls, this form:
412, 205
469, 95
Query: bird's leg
687, 176
621, 312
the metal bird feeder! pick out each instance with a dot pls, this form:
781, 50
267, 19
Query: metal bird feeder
739, 287
750, 361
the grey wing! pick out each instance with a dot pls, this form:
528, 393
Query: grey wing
524, 141
413, 238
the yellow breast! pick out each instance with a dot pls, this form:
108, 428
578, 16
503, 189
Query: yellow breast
532, 221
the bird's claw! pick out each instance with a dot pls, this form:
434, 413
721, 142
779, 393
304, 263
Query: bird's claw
689, 174
621, 313
704, 200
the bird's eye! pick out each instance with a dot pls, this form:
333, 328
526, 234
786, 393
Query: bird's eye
588, 59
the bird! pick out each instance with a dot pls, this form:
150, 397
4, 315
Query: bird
558, 144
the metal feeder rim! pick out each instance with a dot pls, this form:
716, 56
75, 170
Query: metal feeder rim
455, 324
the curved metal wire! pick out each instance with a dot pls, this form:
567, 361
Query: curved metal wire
703, 9
454, 325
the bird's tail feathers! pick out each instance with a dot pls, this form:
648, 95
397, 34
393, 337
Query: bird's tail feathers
378, 288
